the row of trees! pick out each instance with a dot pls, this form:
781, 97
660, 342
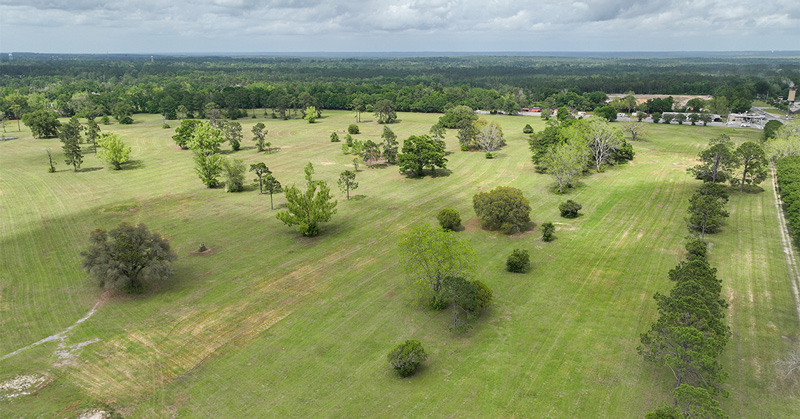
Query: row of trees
689, 336
473, 133
566, 149
788, 174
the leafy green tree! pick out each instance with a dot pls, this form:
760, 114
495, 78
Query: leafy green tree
667, 118
335, 137
706, 118
389, 145
261, 170
208, 168
565, 162
753, 163
233, 170
697, 402
272, 186
260, 135
543, 141
185, 132
563, 114
527, 129
718, 161
449, 219
310, 114
233, 134
640, 116
114, 151
43, 124
92, 133
70, 138
429, 255
370, 152
461, 118
569, 209
547, 231
355, 164
420, 152
123, 112
353, 129
706, 214
681, 118
694, 117
128, 257
771, 128
347, 182
656, 117
519, 261
206, 139
385, 111
503, 208
463, 294
358, 107
407, 357
438, 131
307, 209
606, 112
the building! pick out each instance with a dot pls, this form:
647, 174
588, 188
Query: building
792, 94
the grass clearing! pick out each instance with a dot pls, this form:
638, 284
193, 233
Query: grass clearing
273, 324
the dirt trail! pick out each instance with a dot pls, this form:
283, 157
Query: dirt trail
788, 250
58, 336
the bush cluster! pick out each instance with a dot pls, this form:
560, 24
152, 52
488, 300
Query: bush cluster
503, 208
353, 129
569, 209
448, 219
519, 261
547, 231
407, 356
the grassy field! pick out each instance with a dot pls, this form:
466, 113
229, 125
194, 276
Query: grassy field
271, 324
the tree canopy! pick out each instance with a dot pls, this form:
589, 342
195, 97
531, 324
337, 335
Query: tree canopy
307, 209
503, 208
420, 152
128, 257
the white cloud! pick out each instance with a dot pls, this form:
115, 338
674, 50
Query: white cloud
341, 25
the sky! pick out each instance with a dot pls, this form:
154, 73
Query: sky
263, 26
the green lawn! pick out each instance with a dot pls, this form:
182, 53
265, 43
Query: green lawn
271, 324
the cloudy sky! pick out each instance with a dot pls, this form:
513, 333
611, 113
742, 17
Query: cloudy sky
163, 26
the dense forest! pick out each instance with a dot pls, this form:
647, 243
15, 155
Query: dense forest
119, 85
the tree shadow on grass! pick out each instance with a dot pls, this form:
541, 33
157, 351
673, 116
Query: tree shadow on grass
358, 197
133, 165
90, 169
752, 189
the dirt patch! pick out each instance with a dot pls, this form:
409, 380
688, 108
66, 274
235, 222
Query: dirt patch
565, 227
208, 251
393, 207
23, 385
473, 224
95, 414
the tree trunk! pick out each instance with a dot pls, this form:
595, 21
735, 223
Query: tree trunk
744, 176
348, 192
270, 201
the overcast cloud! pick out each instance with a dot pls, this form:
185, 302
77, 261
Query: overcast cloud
163, 26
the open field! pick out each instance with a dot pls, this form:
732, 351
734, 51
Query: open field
270, 324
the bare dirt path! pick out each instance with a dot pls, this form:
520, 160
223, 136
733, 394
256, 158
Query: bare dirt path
58, 336
788, 249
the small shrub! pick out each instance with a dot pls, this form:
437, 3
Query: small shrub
547, 231
483, 296
353, 129
519, 261
407, 356
569, 209
489, 156
202, 248
528, 129
105, 120
696, 249
348, 139
503, 208
449, 219
165, 125
335, 137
